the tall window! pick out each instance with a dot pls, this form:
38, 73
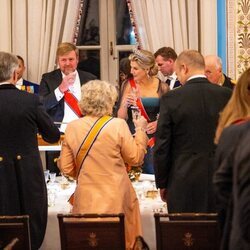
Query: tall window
105, 37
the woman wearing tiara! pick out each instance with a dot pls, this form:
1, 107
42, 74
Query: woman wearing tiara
142, 94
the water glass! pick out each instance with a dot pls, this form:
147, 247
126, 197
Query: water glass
51, 197
140, 195
52, 177
46, 175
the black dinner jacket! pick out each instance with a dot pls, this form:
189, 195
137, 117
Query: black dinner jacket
223, 183
184, 148
22, 185
49, 82
228, 82
240, 234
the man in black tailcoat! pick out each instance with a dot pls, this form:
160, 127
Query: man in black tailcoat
184, 149
22, 184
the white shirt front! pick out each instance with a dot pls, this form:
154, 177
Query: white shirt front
69, 114
172, 79
19, 83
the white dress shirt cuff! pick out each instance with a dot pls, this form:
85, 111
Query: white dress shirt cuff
59, 95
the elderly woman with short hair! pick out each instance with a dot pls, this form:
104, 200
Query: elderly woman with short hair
95, 150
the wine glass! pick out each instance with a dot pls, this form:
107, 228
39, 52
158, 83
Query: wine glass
51, 197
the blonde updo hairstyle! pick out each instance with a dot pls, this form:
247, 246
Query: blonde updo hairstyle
145, 60
97, 98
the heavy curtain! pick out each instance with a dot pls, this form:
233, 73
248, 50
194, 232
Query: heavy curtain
181, 24
33, 30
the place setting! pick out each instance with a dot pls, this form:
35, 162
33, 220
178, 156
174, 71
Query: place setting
58, 186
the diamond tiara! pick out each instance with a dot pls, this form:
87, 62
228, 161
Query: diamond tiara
141, 56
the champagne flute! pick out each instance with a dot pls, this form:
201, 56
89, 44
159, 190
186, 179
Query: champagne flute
134, 94
134, 108
135, 112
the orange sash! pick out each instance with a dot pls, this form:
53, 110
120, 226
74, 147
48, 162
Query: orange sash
71, 100
139, 102
140, 106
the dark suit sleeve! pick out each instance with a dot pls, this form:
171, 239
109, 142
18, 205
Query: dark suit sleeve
242, 182
224, 157
85, 76
162, 145
48, 84
223, 177
36, 88
46, 127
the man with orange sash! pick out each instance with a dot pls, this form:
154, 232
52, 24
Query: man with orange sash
57, 84
60, 90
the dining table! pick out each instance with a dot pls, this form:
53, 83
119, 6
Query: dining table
61, 189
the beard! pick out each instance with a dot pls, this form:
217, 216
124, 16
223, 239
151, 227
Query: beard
68, 70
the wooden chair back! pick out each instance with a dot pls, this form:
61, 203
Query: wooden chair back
187, 231
15, 232
92, 231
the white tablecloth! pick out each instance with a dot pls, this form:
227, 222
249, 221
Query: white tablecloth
147, 206
43, 150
